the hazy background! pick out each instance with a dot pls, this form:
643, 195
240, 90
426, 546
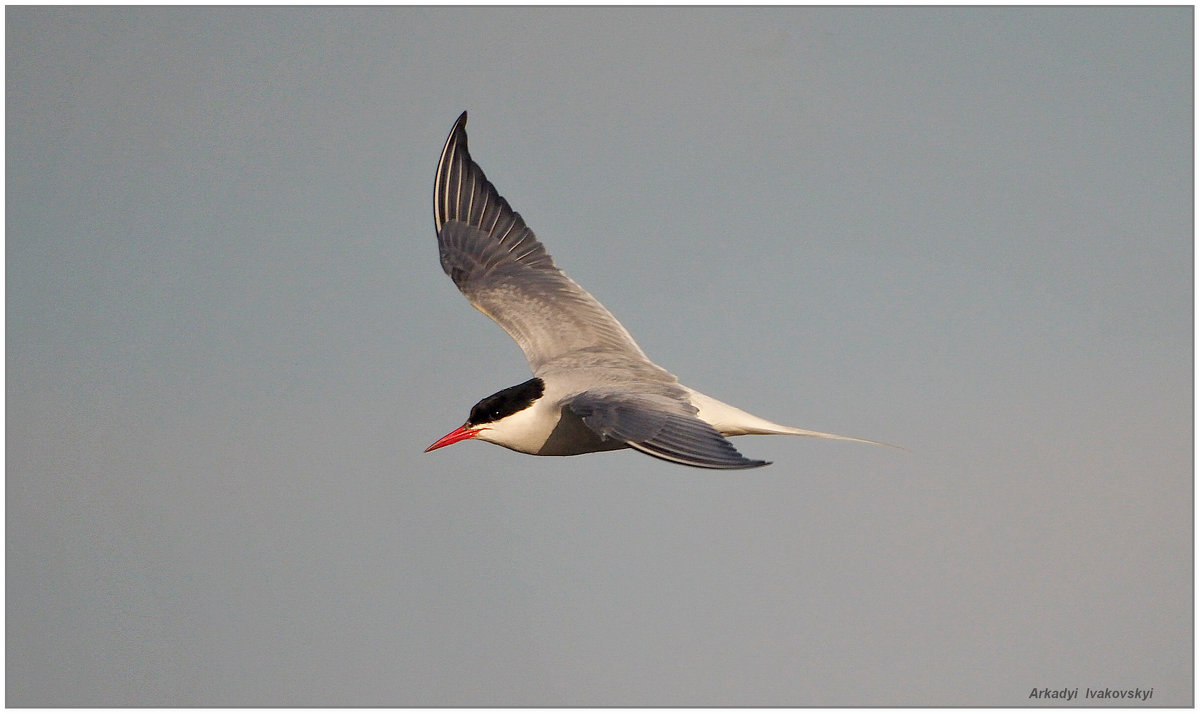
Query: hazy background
965, 231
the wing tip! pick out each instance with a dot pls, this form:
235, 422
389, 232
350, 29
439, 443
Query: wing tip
722, 464
456, 142
458, 133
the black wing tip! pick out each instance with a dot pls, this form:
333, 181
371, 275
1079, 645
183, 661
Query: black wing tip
454, 149
459, 132
752, 464
727, 464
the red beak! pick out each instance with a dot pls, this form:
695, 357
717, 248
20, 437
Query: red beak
462, 432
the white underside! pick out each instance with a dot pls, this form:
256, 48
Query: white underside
537, 430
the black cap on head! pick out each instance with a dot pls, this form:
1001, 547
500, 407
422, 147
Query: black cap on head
506, 402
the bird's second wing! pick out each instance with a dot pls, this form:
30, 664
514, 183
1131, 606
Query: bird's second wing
501, 267
660, 427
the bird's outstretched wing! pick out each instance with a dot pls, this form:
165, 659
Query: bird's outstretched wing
662, 427
506, 273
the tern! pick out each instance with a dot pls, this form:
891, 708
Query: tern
593, 389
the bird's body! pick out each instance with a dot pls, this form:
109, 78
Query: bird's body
593, 388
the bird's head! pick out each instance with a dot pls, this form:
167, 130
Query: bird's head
500, 419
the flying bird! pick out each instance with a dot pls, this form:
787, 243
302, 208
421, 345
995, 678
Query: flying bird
593, 389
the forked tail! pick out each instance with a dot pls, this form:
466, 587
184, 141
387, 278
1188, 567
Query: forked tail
731, 421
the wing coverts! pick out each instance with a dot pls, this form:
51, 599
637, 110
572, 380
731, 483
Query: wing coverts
660, 430
500, 266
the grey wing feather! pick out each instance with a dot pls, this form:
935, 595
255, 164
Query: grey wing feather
662, 428
500, 266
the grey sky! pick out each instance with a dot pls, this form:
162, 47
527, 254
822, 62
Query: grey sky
966, 231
